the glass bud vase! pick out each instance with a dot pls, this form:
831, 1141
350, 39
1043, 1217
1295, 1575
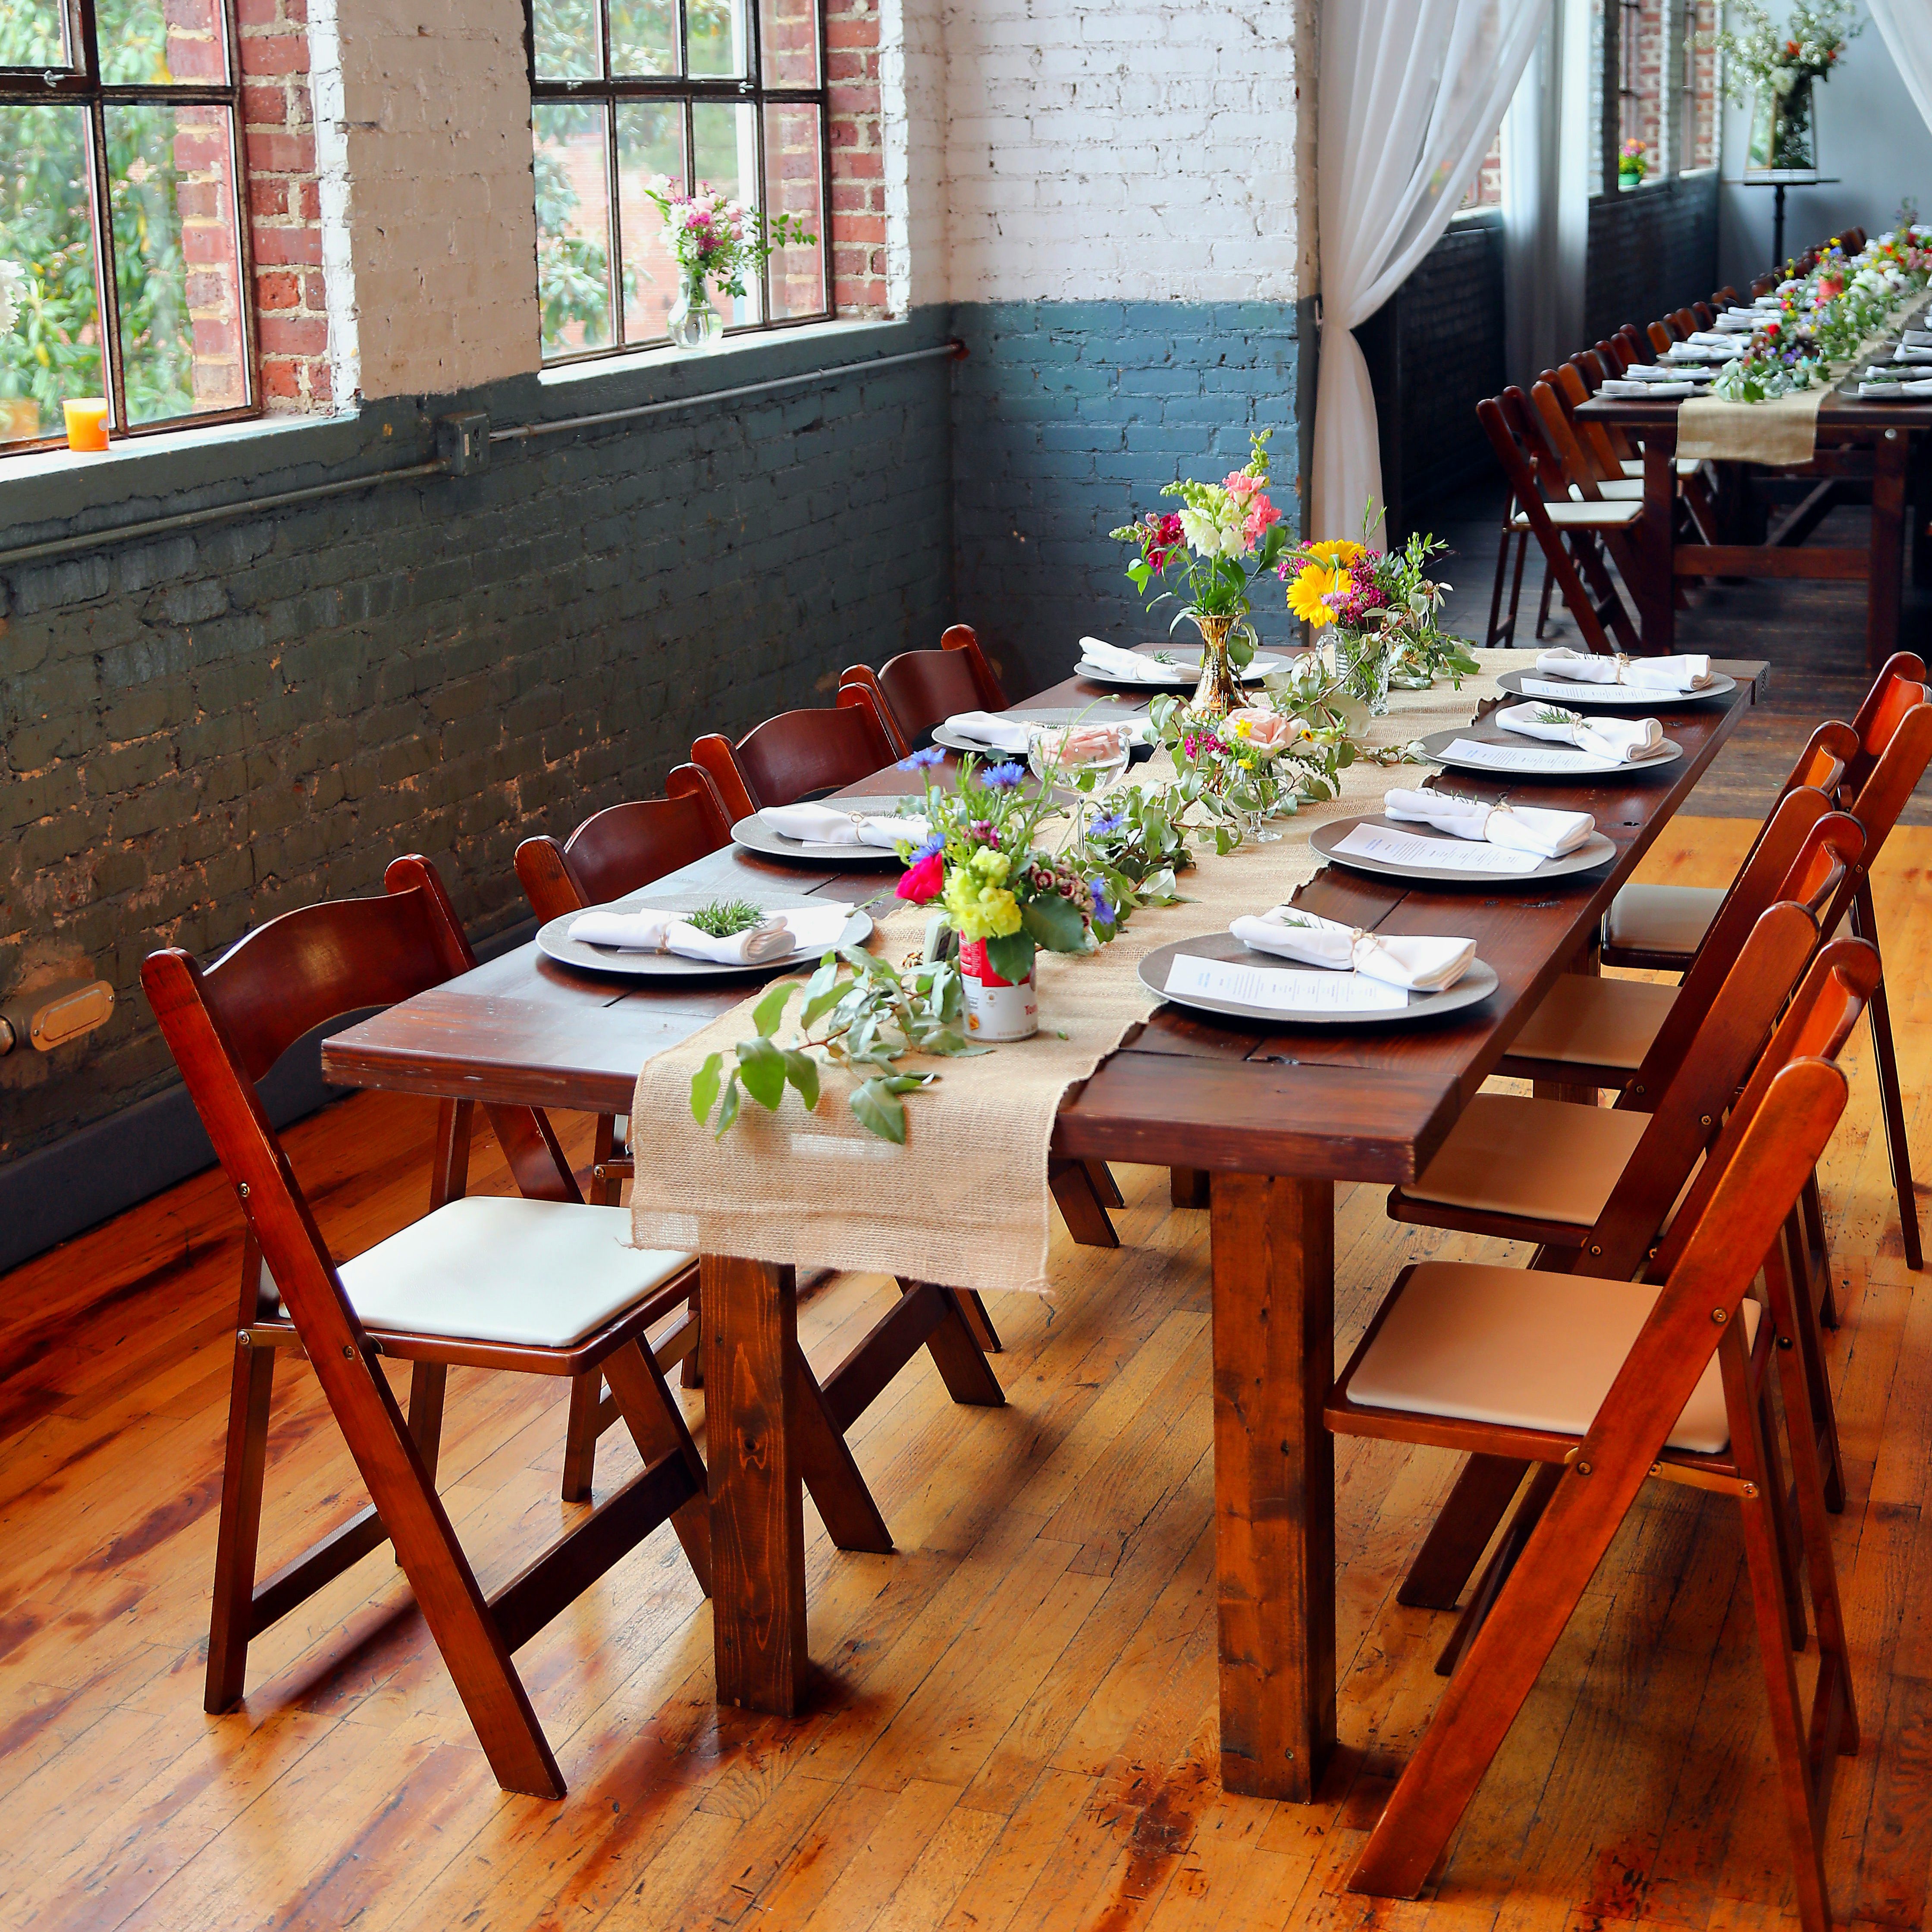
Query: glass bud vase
695, 325
1363, 661
1218, 693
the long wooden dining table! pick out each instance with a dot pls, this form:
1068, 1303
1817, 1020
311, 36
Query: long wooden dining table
1271, 1118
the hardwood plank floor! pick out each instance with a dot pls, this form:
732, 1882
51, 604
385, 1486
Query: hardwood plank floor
1016, 1728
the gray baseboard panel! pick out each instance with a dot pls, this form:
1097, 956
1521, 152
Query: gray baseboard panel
92, 1175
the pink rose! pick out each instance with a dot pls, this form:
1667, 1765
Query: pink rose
1267, 731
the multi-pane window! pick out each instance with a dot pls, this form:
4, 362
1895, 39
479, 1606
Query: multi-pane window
727, 92
119, 204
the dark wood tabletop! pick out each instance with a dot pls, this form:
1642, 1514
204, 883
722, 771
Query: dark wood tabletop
1268, 1119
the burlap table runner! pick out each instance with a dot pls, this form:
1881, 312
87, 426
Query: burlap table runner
1783, 431
965, 1200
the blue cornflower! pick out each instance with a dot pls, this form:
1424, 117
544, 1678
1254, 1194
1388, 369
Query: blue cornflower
926, 850
930, 754
1105, 912
1002, 778
1107, 823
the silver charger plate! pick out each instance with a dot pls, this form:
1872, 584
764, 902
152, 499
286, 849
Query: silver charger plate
554, 942
1474, 986
1185, 666
1596, 850
755, 836
1436, 746
1613, 696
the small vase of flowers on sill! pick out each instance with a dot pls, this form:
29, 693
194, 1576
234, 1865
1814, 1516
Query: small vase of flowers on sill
1633, 164
716, 240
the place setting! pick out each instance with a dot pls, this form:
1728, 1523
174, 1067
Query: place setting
1587, 680
1564, 744
1170, 667
1013, 734
680, 937
1338, 975
855, 832
1487, 843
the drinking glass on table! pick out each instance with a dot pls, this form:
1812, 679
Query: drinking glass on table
1087, 759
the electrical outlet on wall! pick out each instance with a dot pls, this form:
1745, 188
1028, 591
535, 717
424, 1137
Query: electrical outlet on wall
463, 441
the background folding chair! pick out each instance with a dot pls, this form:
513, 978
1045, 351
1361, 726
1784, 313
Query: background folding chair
919, 689
543, 1284
1571, 535
798, 755
613, 853
1889, 748
1606, 1384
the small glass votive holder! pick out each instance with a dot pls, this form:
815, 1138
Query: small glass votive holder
86, 422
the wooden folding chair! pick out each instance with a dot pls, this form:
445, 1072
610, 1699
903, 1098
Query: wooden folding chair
1605, 1384
798, 755
1885, 751
1585, 446
1571, 535
543, 1284
919, 689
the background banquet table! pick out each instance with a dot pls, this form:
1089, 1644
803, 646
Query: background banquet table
1276, 1116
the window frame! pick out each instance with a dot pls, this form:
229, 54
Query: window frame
610, 90
80, 82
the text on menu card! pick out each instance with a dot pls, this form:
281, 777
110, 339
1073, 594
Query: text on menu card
1388, 847
1524, 757
1280, 989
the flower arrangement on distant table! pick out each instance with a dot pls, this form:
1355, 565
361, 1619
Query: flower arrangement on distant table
716, 239
1780, 66
1223, 538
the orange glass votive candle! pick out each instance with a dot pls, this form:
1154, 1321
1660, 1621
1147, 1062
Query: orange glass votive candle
86, 422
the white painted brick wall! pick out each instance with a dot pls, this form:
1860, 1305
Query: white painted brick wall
423, 140
1118, 152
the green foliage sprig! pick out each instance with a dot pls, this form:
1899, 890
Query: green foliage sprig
869, 1014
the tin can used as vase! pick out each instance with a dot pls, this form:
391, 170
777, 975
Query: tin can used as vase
996, 1009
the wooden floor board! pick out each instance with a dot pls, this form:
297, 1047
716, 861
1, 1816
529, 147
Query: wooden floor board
1014, 1725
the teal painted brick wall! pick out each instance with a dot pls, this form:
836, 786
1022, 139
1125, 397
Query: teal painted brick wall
1068, 417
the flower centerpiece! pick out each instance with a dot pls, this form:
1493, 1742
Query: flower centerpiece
1385, 611
1224, 536
1633, 164
1780, 67
1823, 316
715, 240
999, 886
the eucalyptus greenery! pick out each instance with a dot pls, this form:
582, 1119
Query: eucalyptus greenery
869, 1014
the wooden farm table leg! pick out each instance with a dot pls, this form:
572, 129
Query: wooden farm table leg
1656, 596
1274, 1480
1884, 585
750, 1311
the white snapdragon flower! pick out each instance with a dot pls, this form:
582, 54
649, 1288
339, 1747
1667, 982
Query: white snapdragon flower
13, 293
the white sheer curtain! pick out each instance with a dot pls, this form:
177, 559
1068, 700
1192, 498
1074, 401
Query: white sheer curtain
1906, 27
1546, 196
1411, 93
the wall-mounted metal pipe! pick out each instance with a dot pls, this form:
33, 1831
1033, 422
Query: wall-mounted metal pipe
955, 349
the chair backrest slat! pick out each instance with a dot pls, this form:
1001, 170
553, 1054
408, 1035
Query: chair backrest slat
623, 848
797, 753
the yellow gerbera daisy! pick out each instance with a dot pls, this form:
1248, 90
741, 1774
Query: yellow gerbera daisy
1336, 551
1311, 585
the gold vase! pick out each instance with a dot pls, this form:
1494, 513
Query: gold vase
1218, 693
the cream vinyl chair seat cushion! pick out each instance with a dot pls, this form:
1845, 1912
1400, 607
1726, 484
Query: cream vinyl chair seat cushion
1661, 919
1572, 516
1538, 1160
1614, 490
539, 1274
1520, 1347
1685, 466
1593, 1022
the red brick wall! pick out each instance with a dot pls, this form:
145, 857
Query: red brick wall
285, 210
858, 158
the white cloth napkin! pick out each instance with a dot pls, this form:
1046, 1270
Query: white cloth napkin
1400, 959
653, 929
1523, 828
1712, 338
1687, 671
1619, 740
1117, 663
1908, 352
826, 825
989, 729
1615, 386
1883, 390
